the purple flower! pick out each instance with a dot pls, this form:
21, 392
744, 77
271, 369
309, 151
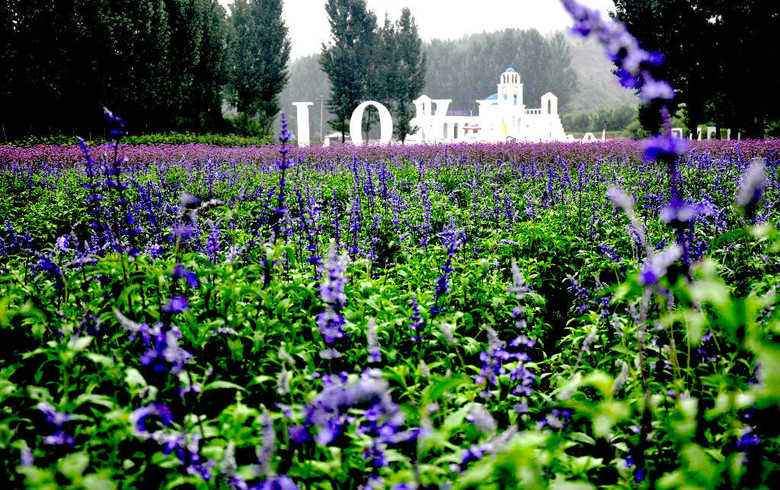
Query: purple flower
332, 287
753, 185
417, 323
281, 482
666, 144
140, 418
680, 214
27, 458
54, 416
188, 201
176, 305
656, 265
481, 418
266, 450
165, 353
747, 440
184, 232
558, 419
189, 276
374, 353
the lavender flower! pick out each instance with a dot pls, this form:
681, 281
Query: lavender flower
58, 420
266, 450
634, 66
140, 418
481, 418
488, 448
656, 265
374, 353
328, 412
165, 353
189, 276
452, 240
557, 419
417, 324
753, 185
175, 305
330, 321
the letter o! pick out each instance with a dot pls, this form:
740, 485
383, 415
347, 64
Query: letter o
385, 123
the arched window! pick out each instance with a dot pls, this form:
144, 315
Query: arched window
549, 106
445, 130
455, 130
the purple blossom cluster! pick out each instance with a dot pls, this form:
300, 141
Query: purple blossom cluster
328, 414
185, 446
330, 322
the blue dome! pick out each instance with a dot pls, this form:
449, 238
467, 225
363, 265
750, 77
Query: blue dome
510, 70
492, 97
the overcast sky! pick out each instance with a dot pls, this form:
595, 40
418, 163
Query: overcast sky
436, 19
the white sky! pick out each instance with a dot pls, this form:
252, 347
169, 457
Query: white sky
436, 19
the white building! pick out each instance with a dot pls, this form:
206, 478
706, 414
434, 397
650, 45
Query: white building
502, 117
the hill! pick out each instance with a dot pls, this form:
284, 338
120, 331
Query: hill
599, 88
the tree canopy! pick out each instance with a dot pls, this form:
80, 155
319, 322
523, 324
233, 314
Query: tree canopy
720, 57
260, 51
457, 69
347, 58
162, 65
159, 63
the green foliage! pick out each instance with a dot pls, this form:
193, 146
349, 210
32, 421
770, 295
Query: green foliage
466, 70
259, 53
715, 54
617, 119
348, 58
158, 62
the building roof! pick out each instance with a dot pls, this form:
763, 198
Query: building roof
510, 70
492, 97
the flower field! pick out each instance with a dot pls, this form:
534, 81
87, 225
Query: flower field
481, 316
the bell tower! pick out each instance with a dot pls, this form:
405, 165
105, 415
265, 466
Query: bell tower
510, 90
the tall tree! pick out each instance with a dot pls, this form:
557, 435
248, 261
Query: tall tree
7, 75
409, 79
719, 56
260, 51
347, 58
210, 74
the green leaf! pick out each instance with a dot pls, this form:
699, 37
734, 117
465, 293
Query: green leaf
223, 385
98, 482
73, 465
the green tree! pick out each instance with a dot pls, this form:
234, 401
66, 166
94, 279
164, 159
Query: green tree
720, 57
158, 63
260, 51
6, 63
410, 64
347, 58
468, 69
198, 38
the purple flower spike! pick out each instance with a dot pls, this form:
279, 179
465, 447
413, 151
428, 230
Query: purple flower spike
189, 276
656, 265
753, 185
681, 214
176, 305
140, 417
53, 416
665, 145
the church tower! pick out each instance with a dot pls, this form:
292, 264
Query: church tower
510, 90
